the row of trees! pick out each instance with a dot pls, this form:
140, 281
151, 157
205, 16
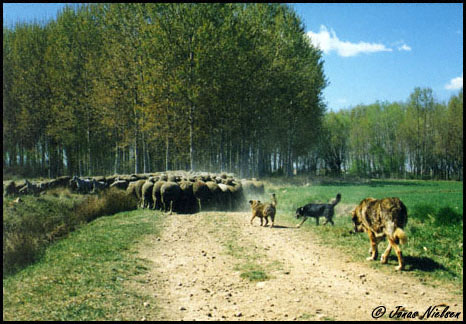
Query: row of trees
420, 138
130, 88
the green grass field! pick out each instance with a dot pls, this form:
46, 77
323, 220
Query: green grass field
86, 274
435, 221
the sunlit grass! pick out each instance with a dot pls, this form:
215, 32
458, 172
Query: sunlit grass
435, 221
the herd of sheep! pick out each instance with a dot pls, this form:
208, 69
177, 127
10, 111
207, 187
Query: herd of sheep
181, 192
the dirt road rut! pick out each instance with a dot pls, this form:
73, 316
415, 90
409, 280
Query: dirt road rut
201, 266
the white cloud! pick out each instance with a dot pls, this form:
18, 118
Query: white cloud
328, 41
401, 46
404, 47
455, 84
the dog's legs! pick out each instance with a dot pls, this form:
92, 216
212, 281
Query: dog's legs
317, 221
327, 220
261, 220
273, 219
266, 221
253, 216
385, 255
299, 225
373, 247
398, 254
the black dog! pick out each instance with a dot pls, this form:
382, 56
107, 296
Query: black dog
317, 210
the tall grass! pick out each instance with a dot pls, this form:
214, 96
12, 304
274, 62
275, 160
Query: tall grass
110, 202
30, 225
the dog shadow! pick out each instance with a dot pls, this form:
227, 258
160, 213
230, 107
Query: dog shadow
281, 226
420, 263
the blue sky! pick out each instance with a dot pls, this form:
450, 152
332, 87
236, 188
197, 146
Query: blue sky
371, 51
383, 51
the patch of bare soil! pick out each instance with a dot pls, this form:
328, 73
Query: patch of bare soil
197, 263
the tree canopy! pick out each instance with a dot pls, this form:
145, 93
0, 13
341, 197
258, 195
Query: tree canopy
143, 87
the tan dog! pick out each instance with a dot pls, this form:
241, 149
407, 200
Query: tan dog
382, 218
262, 210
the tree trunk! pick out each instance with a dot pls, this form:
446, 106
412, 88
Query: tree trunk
167, 149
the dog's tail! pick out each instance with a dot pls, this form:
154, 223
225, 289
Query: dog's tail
400, 236
337, 200
274, 200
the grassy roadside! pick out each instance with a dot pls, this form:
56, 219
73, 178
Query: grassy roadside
434, 252
84, 276
33, 223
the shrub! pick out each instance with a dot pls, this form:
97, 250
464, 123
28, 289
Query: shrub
20, 249
108, 202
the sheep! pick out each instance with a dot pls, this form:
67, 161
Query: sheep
29, 188
110, 179
98, 185
19, 186
45, 185
138, 190
253, 187
238, 200
187, 200
120, 184
146, 193
62, 181
201, 192
156, 194
216, 192
140, 176
170, 193
227, 181
226, 196
129, 178
172, 178
131, 189
11, 189
82, 186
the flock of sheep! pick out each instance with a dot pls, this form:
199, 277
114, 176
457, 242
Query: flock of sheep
181, 192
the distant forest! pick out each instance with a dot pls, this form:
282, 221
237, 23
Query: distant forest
138, 88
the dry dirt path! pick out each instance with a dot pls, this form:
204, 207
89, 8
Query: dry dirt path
197, 261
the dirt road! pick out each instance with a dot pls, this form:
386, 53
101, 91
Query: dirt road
201, 265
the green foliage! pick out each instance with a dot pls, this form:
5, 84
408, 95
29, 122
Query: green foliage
126, 82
